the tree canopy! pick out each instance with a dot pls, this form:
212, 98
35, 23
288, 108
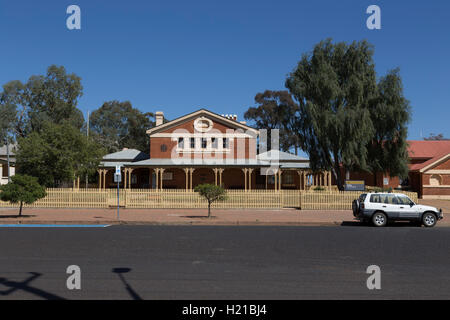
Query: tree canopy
276, 110
22, 189
52, 97
436, 137
56, 154
389, 113
7, 119
342, 110
117, 125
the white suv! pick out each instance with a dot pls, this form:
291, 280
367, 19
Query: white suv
381, 207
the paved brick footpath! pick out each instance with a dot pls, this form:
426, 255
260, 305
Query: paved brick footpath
194, 216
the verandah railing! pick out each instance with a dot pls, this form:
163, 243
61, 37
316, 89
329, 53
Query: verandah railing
152, 199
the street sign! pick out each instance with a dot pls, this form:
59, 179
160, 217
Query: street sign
354, 185
118, 179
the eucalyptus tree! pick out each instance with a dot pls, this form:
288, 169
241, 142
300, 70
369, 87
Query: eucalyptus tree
334, 86
116, 125
58, 153
390, 113
52, 97
276, 110
347, 120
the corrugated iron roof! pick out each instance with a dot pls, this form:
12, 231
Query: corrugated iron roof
277, 155
127, 155
429, 151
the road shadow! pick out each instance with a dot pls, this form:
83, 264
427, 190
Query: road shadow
120, 271
24, 286
16, 216
396, 224
199, 217
354, 224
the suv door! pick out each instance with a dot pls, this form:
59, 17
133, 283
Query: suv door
407, 208
389, 205
375, 203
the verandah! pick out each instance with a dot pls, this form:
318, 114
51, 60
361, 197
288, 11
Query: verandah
247, 178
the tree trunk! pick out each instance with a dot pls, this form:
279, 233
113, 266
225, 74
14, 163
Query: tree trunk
375, 182
338, 176
20, 209
7, 157
209, 209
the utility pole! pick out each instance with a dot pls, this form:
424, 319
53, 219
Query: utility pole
7, 158
87, 134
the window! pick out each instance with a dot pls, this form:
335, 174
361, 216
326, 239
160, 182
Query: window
287, 178
375, 198
163, 148
214, 143
168, 176
384, 198
181, 143
402, 199
203, 143
192, 140
225, 143
435, 180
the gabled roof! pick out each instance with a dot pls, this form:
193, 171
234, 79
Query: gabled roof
11, 150
427, 149
277, 155
130, 155
430, 163
432, 152
217, 117
4, 156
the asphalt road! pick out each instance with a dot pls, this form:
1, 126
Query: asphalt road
209, 262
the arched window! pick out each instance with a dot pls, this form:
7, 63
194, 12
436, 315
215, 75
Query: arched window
435, 180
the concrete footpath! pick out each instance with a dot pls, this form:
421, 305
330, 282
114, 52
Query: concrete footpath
191, 216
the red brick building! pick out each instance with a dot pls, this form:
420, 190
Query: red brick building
429, 171
204, 147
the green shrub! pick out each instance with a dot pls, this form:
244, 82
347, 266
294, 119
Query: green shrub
211, 193
22, 189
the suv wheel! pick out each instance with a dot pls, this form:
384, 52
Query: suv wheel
429, 219
355, 207
379, 219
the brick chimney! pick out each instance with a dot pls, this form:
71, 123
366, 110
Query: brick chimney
159, 117
230, 116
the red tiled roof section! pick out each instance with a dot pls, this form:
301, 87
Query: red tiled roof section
429, 151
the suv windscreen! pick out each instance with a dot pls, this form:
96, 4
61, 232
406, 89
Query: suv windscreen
362, 197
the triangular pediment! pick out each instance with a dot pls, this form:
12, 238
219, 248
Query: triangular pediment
200, 119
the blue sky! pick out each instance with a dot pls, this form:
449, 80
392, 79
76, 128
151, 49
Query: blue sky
179, 56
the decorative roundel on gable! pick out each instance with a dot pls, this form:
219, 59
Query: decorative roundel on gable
203, 124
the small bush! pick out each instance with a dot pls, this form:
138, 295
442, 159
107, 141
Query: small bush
22, 189
211, 193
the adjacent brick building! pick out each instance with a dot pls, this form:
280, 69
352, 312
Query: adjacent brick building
429, 171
